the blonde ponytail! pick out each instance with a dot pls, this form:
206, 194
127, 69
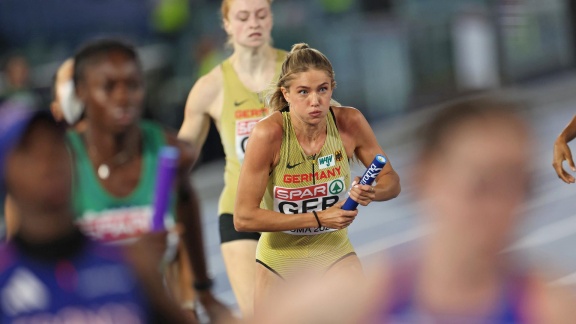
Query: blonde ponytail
300, 59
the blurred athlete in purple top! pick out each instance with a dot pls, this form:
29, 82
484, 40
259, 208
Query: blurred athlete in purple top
50, 271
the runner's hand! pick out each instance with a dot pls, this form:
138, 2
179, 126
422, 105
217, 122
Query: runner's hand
337, 218
561, 153
362, 194
150, 246
216, 310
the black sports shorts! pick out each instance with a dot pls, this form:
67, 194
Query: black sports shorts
228, 233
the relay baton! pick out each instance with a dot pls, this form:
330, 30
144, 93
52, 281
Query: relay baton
167, 164
371, 173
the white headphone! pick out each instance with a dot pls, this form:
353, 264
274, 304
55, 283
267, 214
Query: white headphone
71, 106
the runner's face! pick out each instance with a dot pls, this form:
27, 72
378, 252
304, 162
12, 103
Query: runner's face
249, 23
113, 92
39, 169
309, 95
479, 180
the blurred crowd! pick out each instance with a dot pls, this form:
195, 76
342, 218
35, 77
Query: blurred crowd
407, 53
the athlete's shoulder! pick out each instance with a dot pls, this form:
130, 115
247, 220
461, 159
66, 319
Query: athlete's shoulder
269, 127
207, 88
348, 117
211, 80
274, 119
345, 111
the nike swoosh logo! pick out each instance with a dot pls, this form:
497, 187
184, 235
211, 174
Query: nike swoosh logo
293, 165
238, 103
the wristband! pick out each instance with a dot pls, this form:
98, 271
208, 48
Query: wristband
203, 285
317, 219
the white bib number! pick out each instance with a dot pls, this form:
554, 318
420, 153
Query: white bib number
307, 199
243, 129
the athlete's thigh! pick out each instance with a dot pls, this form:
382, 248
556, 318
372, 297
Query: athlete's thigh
240, 256
348, 267
267, 288
240, 260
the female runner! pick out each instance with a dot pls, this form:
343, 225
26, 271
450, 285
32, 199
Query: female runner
297, 163
231, 96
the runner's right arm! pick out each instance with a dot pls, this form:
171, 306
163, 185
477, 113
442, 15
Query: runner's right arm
562, 152
204, 96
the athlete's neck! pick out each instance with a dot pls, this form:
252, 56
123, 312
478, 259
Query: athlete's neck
252, 61
453, 277
38, 225
104, 145
310, 137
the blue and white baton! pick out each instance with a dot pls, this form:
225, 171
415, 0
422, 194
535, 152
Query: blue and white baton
371, 173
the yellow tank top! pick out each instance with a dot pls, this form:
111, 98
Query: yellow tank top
241, 110
301, 184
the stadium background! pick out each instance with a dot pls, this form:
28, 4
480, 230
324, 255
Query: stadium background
391, 57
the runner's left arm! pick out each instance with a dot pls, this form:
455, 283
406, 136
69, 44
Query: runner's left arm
188, 214
366, 147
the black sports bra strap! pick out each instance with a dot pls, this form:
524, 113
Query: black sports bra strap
333, 117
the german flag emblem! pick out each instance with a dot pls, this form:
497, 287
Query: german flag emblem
338, 155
